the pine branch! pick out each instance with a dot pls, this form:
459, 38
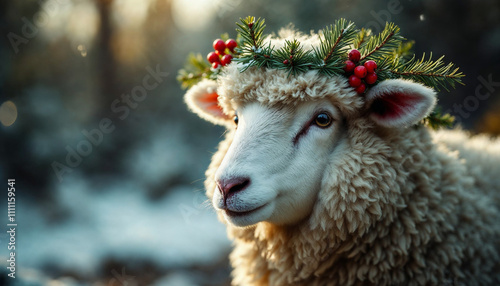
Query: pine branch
251, 30
332, 52
436, 119
380, 46
431, 73
361, 38
252, 51
385, 67
261, 57
399, 57
336, 39
292, 58
404, 51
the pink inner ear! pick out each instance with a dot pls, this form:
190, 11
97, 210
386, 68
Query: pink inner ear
211, 103
394, 105
210, 98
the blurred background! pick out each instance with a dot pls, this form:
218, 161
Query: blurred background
110, 186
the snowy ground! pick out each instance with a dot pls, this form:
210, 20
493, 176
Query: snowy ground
175, 232
148, 218
110, 228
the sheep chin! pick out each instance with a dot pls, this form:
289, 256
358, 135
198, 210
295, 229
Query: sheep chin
248, 218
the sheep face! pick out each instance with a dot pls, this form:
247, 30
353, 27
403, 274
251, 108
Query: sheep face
293, 136
272, 171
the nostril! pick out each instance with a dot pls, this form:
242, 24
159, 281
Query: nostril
232, 186
239, 185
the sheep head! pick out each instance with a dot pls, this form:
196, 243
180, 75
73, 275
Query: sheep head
300, 133
287, 132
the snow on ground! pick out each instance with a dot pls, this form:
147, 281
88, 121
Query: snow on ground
92, 219
178, 230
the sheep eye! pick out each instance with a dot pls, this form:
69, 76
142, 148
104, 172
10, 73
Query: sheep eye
323, 120
236, 119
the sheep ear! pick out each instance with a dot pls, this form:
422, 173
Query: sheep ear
399, 103
202, 99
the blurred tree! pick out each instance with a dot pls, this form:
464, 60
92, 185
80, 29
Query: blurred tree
106, 63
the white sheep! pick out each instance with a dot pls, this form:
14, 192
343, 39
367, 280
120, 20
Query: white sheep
321, 186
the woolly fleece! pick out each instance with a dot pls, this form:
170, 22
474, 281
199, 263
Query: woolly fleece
405, 206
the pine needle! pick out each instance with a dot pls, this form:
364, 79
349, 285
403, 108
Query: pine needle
293, 58
335, 41
434, 74
382, 45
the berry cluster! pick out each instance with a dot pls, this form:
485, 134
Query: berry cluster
360, 72
220, 57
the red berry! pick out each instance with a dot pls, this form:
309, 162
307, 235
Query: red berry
219, 53
354, 55
354, 81
370, 66
219, 46
231, 44
286, 62
213, 58
371, 78
226, 60
215, 65
360, 71
349, 66
361, 88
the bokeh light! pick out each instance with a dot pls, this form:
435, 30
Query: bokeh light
76, 20
8, 113
130, 14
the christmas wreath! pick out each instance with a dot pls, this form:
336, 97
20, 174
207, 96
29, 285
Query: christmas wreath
364, 58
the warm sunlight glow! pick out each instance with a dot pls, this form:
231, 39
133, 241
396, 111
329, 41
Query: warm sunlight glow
78, 22
83, 24
192, 15
130, 13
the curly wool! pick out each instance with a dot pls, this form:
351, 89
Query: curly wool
402, 207
397, 210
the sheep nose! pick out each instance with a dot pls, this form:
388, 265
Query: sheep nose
232, 186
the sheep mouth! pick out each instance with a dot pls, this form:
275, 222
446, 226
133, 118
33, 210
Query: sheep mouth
243, 213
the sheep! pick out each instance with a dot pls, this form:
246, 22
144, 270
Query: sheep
321, 186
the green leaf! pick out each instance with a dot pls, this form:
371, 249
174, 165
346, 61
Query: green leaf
195, 69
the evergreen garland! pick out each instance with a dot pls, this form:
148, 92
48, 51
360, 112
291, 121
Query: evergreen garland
252, 51
331, 55
292, 58
393, 56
